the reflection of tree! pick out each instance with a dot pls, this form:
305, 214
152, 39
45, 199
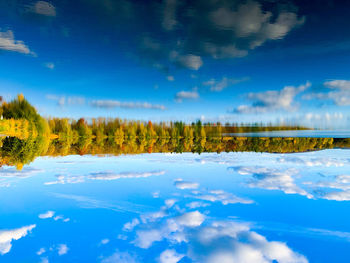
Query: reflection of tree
18, 152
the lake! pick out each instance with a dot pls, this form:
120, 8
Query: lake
167, 207
297, 134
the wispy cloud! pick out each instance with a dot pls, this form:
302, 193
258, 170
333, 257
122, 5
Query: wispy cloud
120, 257
218, 85
186, 95
63, 100
180, 184
115, 176
128, 105
8, 43
273, 100
339, 93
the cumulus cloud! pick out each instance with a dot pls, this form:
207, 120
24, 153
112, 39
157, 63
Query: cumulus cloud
339, 93
48, 214
8, 43
189, 61
211, 241
180, 184
218, 85
127, 105
62, 249
7, 236
272, 100
129, 226
171, 228
170, 256
217, 29
43, 8
274, 179
114, 176
234, 242
185, 95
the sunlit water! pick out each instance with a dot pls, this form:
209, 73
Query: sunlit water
228, 207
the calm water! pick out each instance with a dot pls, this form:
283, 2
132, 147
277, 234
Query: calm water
228, 207
298, 133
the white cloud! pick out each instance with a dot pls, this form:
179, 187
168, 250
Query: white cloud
115, 176
41, 251
180, 184
338, 84
190, 219
311, 162
181, 95
170, 202
218, 85
170, 256
273, 179
120, 257
338, 195
62, 249
235, 242
127, 105
44, 260
339, 94
48, 214
129, 226
63, 100
44, 8
65, 179
145, 238
153, 216
273, 100
170, 78
7, 236
8, 43
12, 172
196, 204
221, 196
104, 241
49, 65
189, 61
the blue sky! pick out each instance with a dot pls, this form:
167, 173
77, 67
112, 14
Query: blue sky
237, 61
164, 208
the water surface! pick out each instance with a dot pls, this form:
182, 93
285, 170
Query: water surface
297, 134
227, 207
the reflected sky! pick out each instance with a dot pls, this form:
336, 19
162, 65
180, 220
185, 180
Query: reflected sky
228, 207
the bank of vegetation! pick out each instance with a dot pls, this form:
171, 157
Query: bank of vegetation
28, 135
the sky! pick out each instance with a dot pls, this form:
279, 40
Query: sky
170, 208
283, 62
